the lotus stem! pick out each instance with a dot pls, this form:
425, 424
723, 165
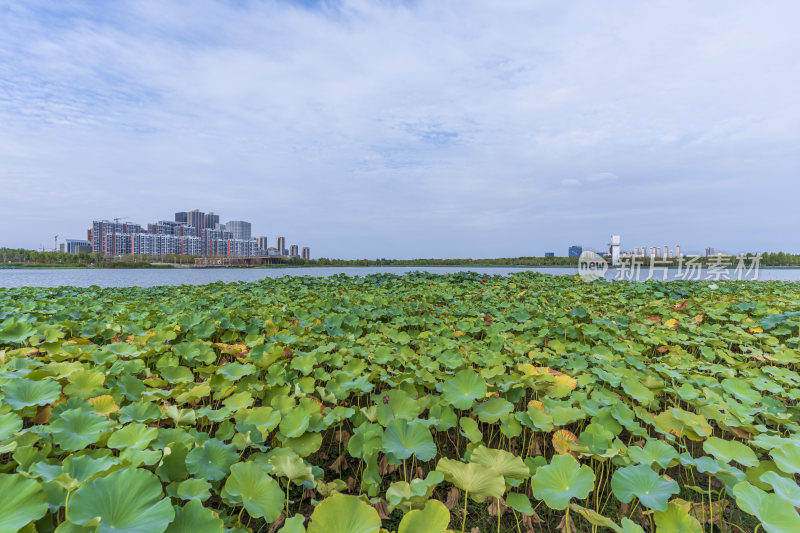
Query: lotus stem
464, 519
498, 515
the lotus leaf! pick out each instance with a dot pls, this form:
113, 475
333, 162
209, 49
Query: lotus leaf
675, 518
463, 389
75, 429
403, 439
128, 501
654, 451
20, 393
136, 436
787, 457
434, 518
212, 460
194, 518
730, 450
250, 485
23, 502
344, 514
561, 480
776, 514
652, 490
479, 481
511, 467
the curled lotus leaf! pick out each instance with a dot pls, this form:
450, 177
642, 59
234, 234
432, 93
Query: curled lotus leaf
434, 518
251, 486
776, 514
344, 514
654, 452
730, 450
23, 501
128, 501
512, 468
787, 457
676, 517
136, 436
784, 487
292, 467
10, 423
479, 481
295, 423
194, 518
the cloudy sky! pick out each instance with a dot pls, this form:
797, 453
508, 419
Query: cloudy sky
407, 129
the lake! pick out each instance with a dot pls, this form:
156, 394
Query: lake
46, 277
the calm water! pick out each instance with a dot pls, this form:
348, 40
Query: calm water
41, 277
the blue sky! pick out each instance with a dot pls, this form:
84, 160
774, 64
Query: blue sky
407, 129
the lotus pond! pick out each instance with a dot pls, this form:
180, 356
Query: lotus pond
414, 403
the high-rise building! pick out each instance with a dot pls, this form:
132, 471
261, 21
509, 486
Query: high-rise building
211, 220
549, 254
575, 251
294, 251
239, 228
262, 244
666, 252
677, 250
280, 244
306, 252
710, 252
181, 216
197, 220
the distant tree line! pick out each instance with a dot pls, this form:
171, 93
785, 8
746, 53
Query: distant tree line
22, 257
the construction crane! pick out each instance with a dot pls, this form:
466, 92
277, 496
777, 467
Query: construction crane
55, 243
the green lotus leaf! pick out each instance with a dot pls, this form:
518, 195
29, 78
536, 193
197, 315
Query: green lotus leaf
295, 423
21, 393
730, 450
560, 481
212, 460
251, 486
787, 457
463, 389
594, 518
654, 452
639, 480
75, 429
776, 514
675, 518
469, 429
16, 332
195, 353
434, 518
10, 423
292, 467
136, 436
519, 502
193, 489
126, 501
367, 438
177, 374
479, 481
491, 410
23, 501
402, 439
194, 518
305, 445
139, 412
173, 463
596, 438
400, 405
412, 495
783, 487
512, 468
237, 401
629, 526
236, 371
344, 514
293, 525
85, 384
82, 467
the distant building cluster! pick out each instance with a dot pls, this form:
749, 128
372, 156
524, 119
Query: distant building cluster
191, 233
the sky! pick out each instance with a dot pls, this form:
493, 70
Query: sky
368, 129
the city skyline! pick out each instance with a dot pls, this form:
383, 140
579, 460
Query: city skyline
400, 129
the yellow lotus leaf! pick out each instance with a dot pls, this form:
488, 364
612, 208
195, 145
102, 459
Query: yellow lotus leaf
458, 333
104, 405
671, 323
522, 293
748, 319
566, 381
176, 328
698, 319
528, 369
561, 440
757, 329
536, 404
